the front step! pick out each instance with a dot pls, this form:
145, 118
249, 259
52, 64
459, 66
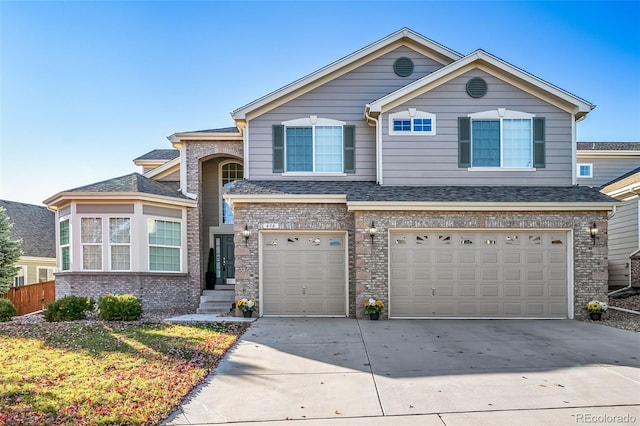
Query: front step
218, 301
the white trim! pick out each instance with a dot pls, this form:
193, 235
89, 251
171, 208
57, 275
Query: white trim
165, 167
313, 174
501, 169
498, 113
177, 138
474, 206
286, 198
53, 202
311, 121
581, 153
579, 165
569, 261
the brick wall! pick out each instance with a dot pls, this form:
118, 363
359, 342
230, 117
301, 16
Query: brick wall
635, 270
368, 263
156, 291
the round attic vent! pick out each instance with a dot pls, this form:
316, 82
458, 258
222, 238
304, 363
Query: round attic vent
403, 67
476, 87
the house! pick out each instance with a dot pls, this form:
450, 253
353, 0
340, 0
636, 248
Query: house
35, 226
614, 168
442, 184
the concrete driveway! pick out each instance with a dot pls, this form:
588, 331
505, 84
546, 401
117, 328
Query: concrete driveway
317, 371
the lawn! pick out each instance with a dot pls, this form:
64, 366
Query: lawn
104, 373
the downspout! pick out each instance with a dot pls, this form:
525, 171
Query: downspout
368, 117
632, 254
574, 152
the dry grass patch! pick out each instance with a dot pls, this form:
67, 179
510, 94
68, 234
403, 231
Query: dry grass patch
104, 373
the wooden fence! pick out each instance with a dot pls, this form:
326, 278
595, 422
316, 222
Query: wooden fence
31, 297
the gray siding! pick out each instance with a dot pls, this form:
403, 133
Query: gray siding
433, 160
342, 99
623, 241
607, 169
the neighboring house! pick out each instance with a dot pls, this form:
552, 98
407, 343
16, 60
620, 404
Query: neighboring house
624, 230
35, 226
442, 184
601, 162
613, 167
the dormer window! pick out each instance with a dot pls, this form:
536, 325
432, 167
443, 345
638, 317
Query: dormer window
412, 122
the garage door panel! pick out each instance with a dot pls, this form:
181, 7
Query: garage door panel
304, 274
491, 274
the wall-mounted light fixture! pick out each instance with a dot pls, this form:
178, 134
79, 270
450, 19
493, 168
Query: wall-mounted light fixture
593, 231
372, 231
246, 234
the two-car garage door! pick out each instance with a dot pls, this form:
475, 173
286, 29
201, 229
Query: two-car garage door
478, 274
304, 274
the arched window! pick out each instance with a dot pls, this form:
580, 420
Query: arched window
229, 173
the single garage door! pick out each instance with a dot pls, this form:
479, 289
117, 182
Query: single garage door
304, 274
506, 274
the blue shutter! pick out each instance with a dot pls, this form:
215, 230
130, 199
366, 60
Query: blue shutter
277, 132
539, 155
349, 148
464, 142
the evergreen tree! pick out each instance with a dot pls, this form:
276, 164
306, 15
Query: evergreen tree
10, 252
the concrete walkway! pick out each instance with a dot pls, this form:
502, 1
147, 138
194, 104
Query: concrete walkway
323, 371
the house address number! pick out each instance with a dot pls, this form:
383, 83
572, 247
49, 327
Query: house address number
270, 226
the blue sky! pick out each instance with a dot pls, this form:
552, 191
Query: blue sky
87, 86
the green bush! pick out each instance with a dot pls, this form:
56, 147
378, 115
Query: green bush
70, 308
125, 307
7, 310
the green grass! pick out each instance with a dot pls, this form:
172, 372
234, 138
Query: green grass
104, 373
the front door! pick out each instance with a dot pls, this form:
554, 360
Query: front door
228, 271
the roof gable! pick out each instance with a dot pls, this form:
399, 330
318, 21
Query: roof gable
494, 66
403, 37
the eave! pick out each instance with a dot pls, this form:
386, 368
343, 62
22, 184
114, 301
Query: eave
177, 138
165, 169
474, 206
64, 198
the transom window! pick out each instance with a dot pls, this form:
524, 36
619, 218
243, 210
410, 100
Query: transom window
412, 121
502, 138
585, 170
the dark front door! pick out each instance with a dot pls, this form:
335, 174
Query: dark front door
228, 260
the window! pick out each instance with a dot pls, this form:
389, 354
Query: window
585, 170
120, 243
21, 277
229, 173
501, 139
45, 274
65, 248
313, 145
412, 122
91, 239
165, 245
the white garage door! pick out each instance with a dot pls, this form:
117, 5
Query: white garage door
505, 274
304, 274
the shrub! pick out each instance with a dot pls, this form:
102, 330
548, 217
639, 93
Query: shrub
70, 308
125, 307
7, 310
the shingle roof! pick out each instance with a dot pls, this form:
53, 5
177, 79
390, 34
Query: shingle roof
35, 225
220, 130
160, 154
372, 192
133, 182
608, 146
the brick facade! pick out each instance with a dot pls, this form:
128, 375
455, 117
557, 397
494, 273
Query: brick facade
368, 263
156, 291
635, 270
